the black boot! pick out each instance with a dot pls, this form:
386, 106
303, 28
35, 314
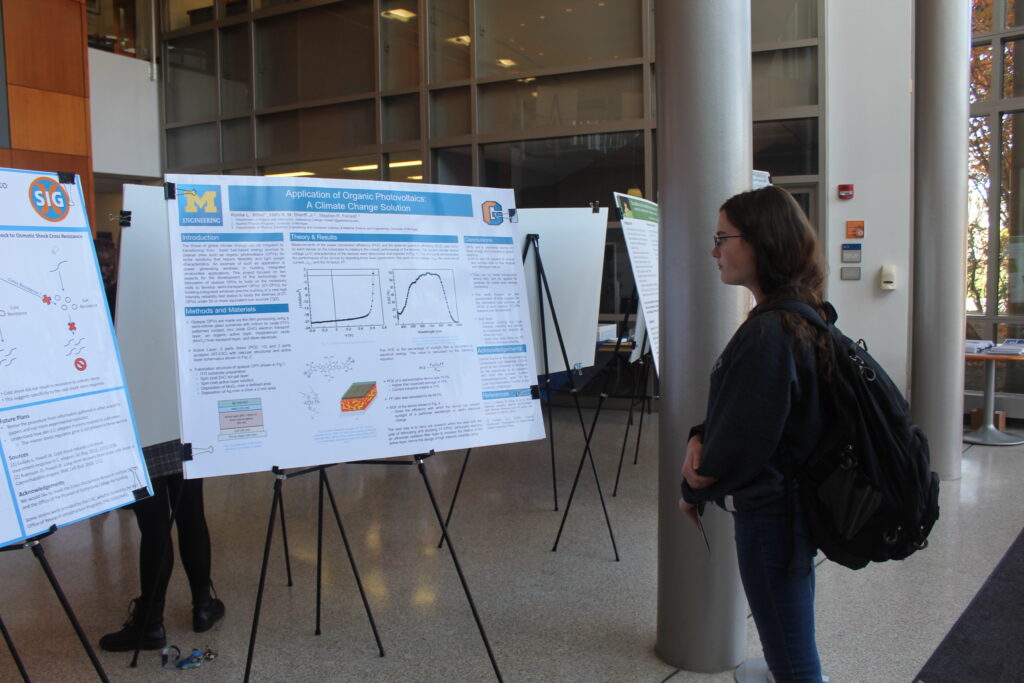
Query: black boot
152, 632
205, 614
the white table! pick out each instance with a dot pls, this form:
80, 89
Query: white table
987, 434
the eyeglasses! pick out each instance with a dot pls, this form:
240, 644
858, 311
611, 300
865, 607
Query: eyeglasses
721, 238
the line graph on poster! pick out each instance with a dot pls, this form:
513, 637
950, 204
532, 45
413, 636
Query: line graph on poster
345, 299
424, 297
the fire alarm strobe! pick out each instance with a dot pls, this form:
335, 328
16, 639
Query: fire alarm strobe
846, 191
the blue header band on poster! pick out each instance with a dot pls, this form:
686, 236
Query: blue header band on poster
235, 310
507, 393
351, 237
232, 237
486, 240
348, 200
509, 348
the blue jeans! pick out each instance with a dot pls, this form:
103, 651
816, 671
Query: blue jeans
781, 601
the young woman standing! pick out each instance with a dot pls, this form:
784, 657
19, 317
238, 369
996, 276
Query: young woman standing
764, 408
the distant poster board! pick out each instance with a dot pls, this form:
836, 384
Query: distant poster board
145, 316
320, 321
640, 228
67, 437
572, 252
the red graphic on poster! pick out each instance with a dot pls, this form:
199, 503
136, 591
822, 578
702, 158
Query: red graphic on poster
46, 299
80, 364
72, 327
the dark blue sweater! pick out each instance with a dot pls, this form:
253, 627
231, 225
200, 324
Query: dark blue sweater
763, 401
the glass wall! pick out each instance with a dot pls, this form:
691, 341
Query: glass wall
476, 91
570, 171
553, 100
994, 299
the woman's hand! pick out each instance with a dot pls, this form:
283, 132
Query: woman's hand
691, 464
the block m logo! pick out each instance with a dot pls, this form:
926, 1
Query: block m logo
199, 205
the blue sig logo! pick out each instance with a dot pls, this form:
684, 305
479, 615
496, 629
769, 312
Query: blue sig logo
492, 213
200, 205
49, 199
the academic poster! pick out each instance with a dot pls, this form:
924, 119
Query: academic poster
67, 438
321, 321
640, 228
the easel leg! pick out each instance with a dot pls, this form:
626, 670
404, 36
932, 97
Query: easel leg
625, 437
458, 485
284, 538
351, 559
319, 546
37, 550
551, 442
458, 567
156, 580
14, 651
263, 576
587, 454
646, 401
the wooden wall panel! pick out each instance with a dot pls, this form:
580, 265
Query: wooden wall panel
55, 163
48, 88
45, 45
48, 121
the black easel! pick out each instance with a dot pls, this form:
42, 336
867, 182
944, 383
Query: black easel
14, 651
35, 545
280, 476
641, 395
418, 461
544, 291
589, 434
455, 495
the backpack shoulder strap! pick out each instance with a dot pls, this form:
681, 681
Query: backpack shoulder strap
805, 311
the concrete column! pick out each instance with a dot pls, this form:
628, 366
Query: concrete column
942, 56
704, 157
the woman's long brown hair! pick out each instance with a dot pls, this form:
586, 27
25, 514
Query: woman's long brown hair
789, 263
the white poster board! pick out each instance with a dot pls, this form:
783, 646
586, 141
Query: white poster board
145, 316
322, 321
572, 252
67, 438
640, 228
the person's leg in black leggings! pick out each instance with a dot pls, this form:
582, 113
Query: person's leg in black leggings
193, 534
156, 559
155, 563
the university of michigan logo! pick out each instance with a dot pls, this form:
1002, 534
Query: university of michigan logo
49, 199
492, 213
200, 205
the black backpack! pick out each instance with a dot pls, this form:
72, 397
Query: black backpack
868, 493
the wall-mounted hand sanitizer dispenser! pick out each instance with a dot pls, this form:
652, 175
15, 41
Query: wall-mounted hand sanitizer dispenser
887, 277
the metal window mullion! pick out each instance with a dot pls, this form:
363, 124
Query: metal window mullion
646, 26
994, 218
822, 125
378, 80
425, 113
251, 56
218, 83
474, 97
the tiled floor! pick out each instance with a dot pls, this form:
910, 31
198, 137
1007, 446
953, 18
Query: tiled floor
570, 615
